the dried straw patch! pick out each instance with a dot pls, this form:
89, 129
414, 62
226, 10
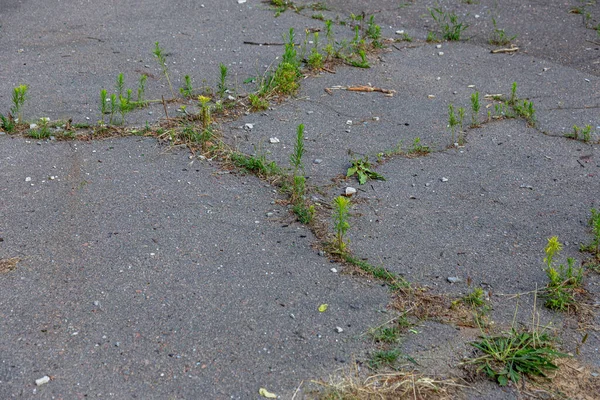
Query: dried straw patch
9, 264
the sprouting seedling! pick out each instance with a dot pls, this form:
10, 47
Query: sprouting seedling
341, 214
315, 60
120, 85
162, 61
141, 92
187, 89
513, 94
113, 107
552, 249
296, 156
475, 109
452, 121
19, 95
103, 101
205, 111
222, 84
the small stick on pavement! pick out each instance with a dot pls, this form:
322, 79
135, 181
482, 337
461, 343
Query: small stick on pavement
508, 50
297, 389
361, 88
264, 43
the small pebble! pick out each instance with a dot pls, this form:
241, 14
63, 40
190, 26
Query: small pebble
454, 279
400, 32
248, 127
321, 253
333, 270
441, 53
42, 380
438, 46
339, 329
350, 191
444, 179
28, 179
269, 214
349, 122
317, 161
273, 140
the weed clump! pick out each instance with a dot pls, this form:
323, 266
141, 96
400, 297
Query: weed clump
563, 281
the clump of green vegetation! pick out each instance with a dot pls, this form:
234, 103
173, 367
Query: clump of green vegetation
257, 164
394, 281
303, 211
418, 148
563, 281
222, 84
257, 103
162, 61
449, 24
187, 90
594, 246
511, 356
362, 169
475, 106
452, 122
19, 96
341, 214
374, 32
499, 37
42, 131
315, 59
584, 134
7, 123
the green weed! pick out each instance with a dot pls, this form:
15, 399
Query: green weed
508, 357
257, 102
394, 281
475, 106
362, 169
563, 281
499, 37
42, 131
418, 148
7, 123
386, 334
374, 32
205, 111
162, 61
594, 246
187, 90
449, 24
584, 134
222, 84
257, 164
315, 59
141, 91
19, 96
452, 121
341, 214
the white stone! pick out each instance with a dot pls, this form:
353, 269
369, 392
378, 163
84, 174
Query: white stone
42, 380
400, 32
339, 329
28, 179
273, 140
350, 191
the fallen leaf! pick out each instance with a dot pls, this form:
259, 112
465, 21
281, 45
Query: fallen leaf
323, 307
265, 393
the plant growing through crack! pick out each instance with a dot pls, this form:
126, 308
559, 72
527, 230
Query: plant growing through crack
499, 36
222, 84
362, 169
581, 133
19, 96
564, 282
187, 90
162, 61
341, 214
304, 212
448, 23
475, 106
594, 246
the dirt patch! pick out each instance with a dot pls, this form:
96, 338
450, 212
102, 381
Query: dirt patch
8, 264
572, 380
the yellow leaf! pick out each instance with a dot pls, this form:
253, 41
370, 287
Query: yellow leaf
265, 393
323, 307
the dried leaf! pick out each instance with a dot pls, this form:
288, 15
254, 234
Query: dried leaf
323, 307
265, 393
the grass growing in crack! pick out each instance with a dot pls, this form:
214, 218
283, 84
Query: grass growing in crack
304, 212
141, 90
315, 58
257, 164
162, 61
19, 96
418, 148
452, 122
395, 282
42, 131
205, 111
594, 246
7, 123
475, 299
563, 281
386, 334
449, 24
475, 106
499, 36
385, 358
341, 214
257, 103
374, 32
581, 133
362, 169
511, 356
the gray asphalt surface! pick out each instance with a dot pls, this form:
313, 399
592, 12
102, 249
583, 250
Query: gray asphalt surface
146, 272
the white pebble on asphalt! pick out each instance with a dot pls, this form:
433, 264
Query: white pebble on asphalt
42, 380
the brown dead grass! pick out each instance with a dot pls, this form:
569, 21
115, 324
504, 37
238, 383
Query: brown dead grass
8, 264
395, 385
572, 380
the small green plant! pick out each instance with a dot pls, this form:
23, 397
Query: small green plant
222, 84
287, 74
511, 356
315, 59
319, 16
475, 299
141, 91
449, 24
563, 282
296, 156
386, 334
585, 132
103, 104
384, 358
405, 37
362, 169
432, 37
205, 111
513, 94
374, 32
162, 61
7, 123
499, 37
42, 131
303, 211
594, 223
257, 164
341, 214
113, 107
19, 96
120, 85
257, 102
418, 148
526, 110
475, 106
452, 122
187, 90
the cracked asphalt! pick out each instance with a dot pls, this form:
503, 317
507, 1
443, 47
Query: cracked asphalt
147, 272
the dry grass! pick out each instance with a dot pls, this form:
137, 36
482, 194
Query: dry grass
385, 386
571, 381
8, 264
